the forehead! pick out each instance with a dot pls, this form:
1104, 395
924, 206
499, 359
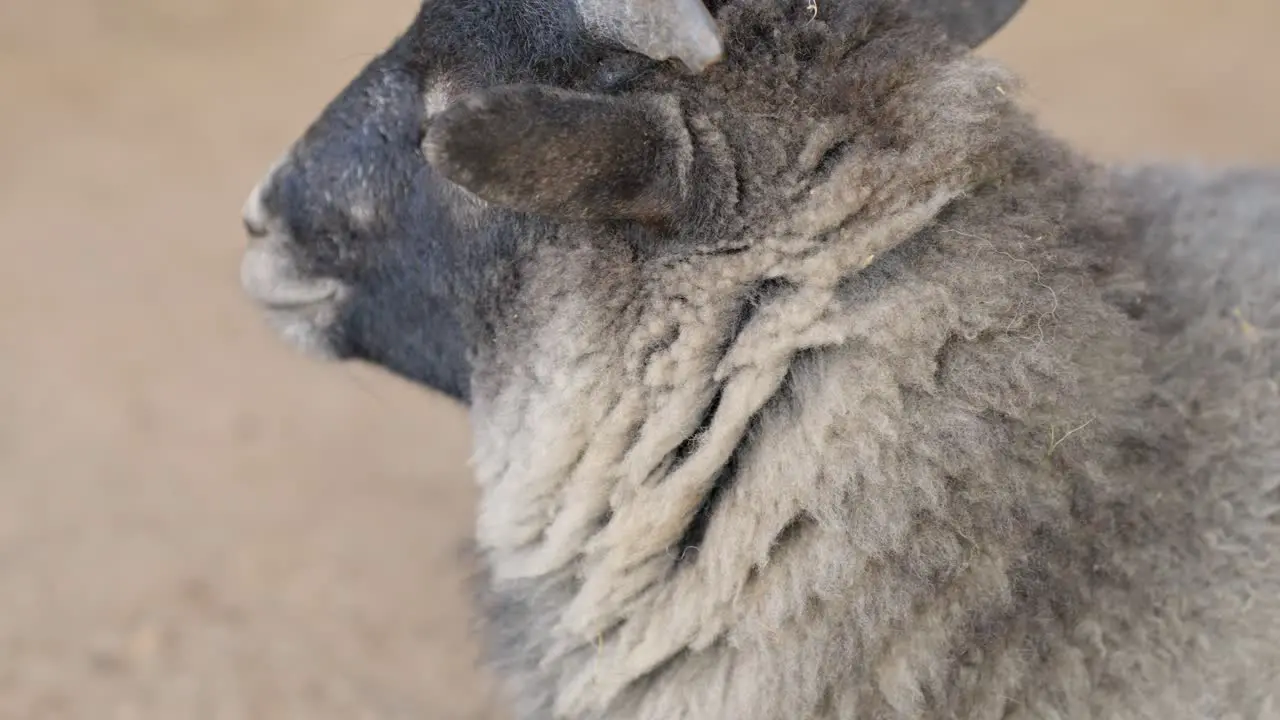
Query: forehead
482, 42
454, 46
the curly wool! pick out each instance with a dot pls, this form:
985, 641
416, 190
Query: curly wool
939, 434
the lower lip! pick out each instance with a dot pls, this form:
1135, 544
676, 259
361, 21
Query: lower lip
294, 305
295, 296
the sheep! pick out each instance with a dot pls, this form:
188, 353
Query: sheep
808, 377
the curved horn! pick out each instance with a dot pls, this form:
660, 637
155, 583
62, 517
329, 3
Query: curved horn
969, 22
660, 29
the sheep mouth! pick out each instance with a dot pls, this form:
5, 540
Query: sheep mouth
297, 300
271, 278
300, 309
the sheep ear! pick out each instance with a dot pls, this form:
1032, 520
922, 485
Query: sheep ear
969, 22
565, 154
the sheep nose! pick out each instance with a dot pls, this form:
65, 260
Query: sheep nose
254, 229
254, 214
260, 220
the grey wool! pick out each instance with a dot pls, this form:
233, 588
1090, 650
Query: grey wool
817, 384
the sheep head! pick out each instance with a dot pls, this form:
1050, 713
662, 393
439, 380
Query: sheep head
391, 230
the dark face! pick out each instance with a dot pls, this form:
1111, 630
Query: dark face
390, 228
359, 248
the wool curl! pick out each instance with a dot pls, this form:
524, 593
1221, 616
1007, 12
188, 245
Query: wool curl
912, 450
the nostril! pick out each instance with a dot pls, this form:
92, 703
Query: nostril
254, 228
254, 214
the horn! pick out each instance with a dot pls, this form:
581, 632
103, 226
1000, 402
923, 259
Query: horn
660, 29
969, 22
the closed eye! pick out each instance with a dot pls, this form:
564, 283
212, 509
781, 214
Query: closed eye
620, 73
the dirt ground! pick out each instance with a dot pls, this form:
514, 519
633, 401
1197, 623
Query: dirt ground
196, 523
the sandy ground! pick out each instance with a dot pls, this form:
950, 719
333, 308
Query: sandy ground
197, 524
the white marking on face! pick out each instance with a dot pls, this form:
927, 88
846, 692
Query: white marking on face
362, 214
438, 98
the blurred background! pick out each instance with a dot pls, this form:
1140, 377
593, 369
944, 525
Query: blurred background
195, 522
